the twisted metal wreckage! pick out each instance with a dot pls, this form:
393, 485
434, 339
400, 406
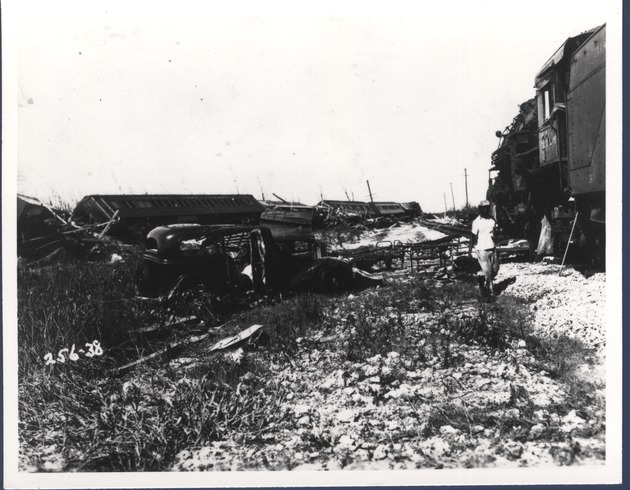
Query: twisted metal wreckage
112, 222
222, 259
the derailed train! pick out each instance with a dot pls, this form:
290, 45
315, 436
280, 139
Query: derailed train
551, 160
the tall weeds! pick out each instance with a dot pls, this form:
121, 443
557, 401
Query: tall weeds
141, 424
100, 423
73, 302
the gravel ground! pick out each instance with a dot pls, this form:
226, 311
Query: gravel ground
343, 415
563, 300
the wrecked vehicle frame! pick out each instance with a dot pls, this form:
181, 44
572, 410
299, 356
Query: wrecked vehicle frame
224, 259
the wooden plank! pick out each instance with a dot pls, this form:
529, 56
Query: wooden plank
109, 225
169, 348
184, 320
220, 345
236, 339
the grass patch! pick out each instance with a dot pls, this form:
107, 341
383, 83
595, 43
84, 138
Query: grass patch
141, 424
73, 302
560, 355
369, 332
287, 321
378, 325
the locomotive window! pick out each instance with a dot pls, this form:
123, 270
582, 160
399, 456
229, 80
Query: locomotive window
548, 101
546, 104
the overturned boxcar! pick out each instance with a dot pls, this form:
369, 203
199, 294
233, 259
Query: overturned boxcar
136, 215
551, 160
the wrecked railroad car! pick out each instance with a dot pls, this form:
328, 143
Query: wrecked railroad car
294, 214
136, 215
367, 209
38, 228
359, 209
390, 209
551, 160
227, 259
412, 209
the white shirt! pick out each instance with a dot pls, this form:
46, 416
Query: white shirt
483, 228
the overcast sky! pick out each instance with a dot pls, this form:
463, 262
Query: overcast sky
139, 97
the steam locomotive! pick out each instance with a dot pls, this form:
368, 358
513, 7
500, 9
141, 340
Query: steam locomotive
551, 160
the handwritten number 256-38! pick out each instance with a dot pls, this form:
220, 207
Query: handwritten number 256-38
94, 349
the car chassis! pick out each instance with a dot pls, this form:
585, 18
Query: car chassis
226, 259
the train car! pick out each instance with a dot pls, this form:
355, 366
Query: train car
390, 209
358, 208
139, 213
552, 160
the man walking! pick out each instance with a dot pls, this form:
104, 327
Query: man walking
483, 238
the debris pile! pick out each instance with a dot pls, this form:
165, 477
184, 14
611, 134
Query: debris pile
44, 231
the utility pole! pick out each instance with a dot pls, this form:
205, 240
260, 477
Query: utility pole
370, 191
452, 197
466, 184
378, 212
261, 188
445, 207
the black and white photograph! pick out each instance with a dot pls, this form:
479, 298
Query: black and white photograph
311, 243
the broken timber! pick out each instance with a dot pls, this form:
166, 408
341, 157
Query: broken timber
173, 346
109, 225
236, 339
187, 321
